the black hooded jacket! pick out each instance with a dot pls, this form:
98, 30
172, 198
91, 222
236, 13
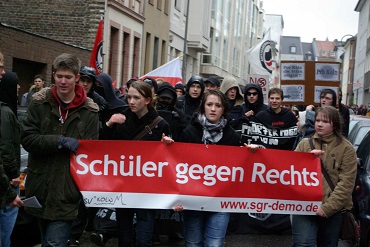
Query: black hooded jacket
193, 133
175, 117
134, 125
188, 104
259, 105
9, 136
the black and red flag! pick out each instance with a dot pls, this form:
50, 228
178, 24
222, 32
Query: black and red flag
96, 59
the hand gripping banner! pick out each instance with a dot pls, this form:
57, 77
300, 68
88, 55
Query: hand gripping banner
144, 174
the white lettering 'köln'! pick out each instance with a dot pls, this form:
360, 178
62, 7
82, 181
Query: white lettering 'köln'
107, 167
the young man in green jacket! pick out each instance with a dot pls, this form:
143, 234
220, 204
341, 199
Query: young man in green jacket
57, 118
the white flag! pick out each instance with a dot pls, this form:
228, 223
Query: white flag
260, 57
169, 72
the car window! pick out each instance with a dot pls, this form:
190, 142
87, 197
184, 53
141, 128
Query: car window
363, 150
352, 134
361, 134
351, 125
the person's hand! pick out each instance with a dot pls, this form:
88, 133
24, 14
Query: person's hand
310, 108
252, 147
17, 202
117, 118
321, 213
68, 143
166, 139
317, 153
249, 113
178, 208
15, 181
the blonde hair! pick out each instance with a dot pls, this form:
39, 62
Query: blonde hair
1, 57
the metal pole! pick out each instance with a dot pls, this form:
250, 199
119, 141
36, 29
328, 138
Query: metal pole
185, 44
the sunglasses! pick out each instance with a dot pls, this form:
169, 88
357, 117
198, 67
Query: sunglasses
254, 94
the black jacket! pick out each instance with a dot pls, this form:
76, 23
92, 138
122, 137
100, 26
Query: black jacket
194, 133
259, 105
344, 112
134, 125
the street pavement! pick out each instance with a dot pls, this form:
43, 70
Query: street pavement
244, 240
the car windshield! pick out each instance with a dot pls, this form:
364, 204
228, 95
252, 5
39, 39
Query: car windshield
360, 135
352, 123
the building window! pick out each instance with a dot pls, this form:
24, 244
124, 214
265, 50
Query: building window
159, 4
166, 6
332, 53
155, 53
293, 49
323, 53
178, 5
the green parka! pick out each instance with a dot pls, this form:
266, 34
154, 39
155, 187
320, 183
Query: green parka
48, 174
340, 162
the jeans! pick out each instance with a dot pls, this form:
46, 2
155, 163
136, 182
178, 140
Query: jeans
54, 233
309, 230
205, 228
7, 222
145, 219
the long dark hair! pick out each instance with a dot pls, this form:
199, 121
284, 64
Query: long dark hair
331, 114
221, 96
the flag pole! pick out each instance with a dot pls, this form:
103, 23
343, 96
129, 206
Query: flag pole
185, 44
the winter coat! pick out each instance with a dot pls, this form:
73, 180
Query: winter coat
340, 163
236, 109
259, 105
175, 117
188, 104
9, 136
344, 112
48, 174
9, 153
194, 133
134, 125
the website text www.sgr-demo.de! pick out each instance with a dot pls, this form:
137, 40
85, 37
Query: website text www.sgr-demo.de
277, 206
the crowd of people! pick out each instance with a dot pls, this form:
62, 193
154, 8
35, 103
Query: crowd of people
82, 105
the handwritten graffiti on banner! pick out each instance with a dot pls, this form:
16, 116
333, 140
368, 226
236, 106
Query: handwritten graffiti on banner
139, 174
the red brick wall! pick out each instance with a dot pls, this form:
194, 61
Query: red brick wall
16, 44
70, 21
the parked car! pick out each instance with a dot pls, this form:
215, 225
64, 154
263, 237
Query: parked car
361, 193
358, 127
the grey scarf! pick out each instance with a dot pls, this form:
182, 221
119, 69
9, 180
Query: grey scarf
212, 133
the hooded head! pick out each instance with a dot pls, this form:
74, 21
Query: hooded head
87, 79
180, 87
152, 83
88, 72
228, 83
212, 83
258, 88
8, 90
105, 89
195, 79
166, 96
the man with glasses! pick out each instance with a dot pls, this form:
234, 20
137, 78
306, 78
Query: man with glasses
253, 100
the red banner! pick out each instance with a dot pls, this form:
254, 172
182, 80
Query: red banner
96, 59
137, 174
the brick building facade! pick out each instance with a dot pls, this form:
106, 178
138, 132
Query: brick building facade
33, 33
